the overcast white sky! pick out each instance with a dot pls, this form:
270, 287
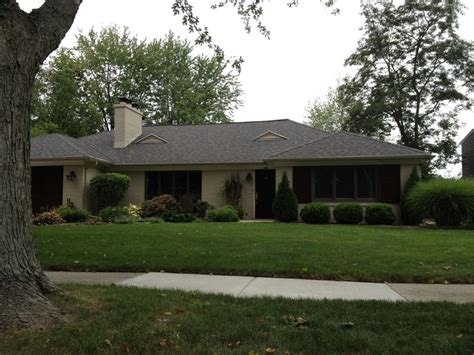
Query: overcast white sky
304, 57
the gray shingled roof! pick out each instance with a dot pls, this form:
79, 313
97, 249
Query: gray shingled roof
218, 143
347, 145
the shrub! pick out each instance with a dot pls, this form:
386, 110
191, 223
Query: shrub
124, 220
109, 189
200, 208
379, 213
225, 214
448, 201
173, 217
285, 205
159, 205
315, 213
47, 218
134, 210
406, 215
109, 214
348, 213
73, 215
150, 220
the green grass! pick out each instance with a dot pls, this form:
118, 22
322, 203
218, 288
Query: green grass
116, 320
363, 253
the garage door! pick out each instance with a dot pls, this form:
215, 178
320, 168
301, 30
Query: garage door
46, 187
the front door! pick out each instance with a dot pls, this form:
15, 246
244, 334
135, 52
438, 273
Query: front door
264, 193
46, 187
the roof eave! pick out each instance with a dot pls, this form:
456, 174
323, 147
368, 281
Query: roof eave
358, 157
82, 158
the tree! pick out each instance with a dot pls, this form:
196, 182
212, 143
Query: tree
414, 75
26, 40
77, 88
285, 205
328, 113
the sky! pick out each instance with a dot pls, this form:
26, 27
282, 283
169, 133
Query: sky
303, 58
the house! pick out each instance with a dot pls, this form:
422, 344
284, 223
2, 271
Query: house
467, 147
195, 160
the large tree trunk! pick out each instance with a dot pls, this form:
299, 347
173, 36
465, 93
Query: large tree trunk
25, 42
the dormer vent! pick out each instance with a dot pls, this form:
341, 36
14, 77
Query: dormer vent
269, 136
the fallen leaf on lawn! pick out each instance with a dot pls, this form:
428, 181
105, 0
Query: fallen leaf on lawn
124, 347
269, 351
447, 267
347, 325
108, 343
234, 345
460, 336
421, 263
259, 320
298, 322
167, 313
162, 343
446, 282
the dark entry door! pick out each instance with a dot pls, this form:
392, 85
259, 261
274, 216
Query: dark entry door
264, 193
46, 187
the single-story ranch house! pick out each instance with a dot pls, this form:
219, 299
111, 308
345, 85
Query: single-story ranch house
195, 160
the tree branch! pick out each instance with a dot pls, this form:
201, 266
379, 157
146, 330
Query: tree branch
52, 21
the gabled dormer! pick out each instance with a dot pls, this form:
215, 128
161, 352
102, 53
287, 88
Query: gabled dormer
269, 136
151, 139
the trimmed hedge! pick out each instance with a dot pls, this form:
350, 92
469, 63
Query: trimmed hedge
316, 213
73, 215
448, 201
225, 214
379, 213
285, 205
109, 189
348, 213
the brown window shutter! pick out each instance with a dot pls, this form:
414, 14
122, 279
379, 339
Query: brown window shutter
302, 183
389, 183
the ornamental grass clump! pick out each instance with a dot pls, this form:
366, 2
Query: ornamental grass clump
448, 201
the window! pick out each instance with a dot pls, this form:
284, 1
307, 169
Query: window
366, 182
323, 182
344, 182
176, 183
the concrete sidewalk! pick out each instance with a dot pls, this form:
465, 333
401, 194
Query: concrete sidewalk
246, 286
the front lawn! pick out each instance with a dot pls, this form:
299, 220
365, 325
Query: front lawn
120, 320
363, 253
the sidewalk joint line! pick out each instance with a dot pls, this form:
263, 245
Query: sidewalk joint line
398, 293
245, 287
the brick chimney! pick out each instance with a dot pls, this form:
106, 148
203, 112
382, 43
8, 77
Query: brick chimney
128, 123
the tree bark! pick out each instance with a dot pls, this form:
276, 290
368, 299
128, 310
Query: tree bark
25, 42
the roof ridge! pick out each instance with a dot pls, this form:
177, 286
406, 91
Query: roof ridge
303, 145
381, 141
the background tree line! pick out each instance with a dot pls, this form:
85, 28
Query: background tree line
414, 75
76, 89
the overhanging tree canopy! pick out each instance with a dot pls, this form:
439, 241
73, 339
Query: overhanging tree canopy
26, 40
